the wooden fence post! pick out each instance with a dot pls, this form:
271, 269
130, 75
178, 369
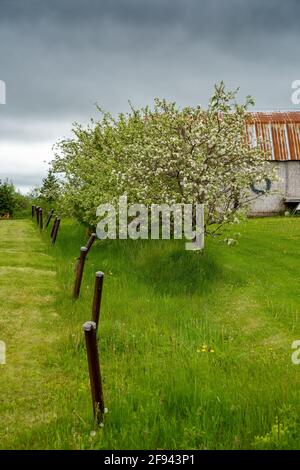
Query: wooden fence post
91, 241
97, 297
79, 271
49, 218
32, 211
55, 231
89, 329
41, 218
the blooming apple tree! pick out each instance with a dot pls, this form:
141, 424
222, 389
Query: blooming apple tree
165, 155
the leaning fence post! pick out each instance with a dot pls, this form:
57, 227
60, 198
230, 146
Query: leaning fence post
97, 297
53, 227
41, 218
55, 231
91, 241
32, 211
79, 271
49, 218
89, 329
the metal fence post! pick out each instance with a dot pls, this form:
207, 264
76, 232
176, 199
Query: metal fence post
55, 231
97, 297
49, 218
91, 241
41, 218
79, 271
53, 227
89, 329
37, 213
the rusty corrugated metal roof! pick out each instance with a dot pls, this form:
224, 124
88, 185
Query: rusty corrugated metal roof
277, 132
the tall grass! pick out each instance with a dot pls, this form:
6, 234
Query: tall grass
195, 349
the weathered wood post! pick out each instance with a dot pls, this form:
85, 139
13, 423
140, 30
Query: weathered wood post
53, 227
37, 213
91, 241
55, 230
41, 218
32, 211
49, 218
97, 297
90, 329
79, 271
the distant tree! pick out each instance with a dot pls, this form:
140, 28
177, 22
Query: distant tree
34, 194
8, 198
49, 191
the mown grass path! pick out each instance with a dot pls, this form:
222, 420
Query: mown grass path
31, 380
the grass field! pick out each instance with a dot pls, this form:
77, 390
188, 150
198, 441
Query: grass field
195, 350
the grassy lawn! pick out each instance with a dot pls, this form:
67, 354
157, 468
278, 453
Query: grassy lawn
195, 350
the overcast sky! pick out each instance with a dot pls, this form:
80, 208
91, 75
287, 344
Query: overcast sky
59, 57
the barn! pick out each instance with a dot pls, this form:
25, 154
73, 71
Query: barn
279, 133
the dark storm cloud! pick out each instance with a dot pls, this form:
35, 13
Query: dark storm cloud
225, 15
60, 57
